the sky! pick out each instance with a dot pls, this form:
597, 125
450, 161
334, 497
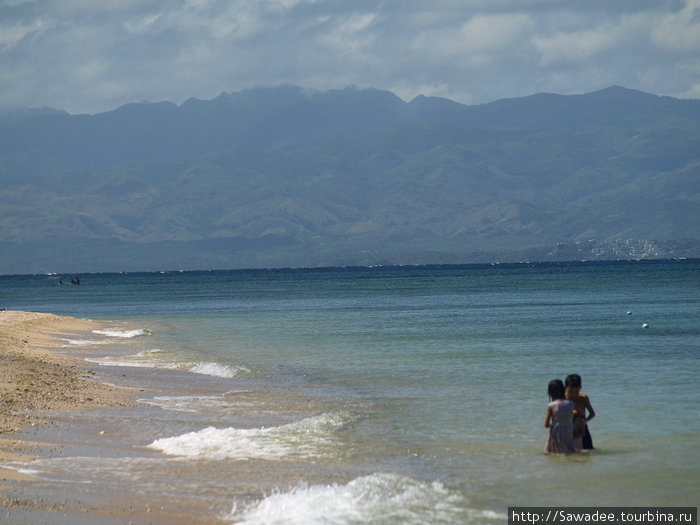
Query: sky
90, 56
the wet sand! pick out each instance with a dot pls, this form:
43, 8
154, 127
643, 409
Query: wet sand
39, 387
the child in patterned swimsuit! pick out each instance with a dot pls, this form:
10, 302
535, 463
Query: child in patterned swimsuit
559, 420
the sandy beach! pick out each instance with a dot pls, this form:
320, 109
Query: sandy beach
41, 388
36, 382
33, 378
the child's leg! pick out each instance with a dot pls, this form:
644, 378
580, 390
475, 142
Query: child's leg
587, 440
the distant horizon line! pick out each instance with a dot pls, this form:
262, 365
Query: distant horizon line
581, 262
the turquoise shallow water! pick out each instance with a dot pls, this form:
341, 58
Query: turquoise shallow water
387, 395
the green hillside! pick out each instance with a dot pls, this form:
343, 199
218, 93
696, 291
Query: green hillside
288, 176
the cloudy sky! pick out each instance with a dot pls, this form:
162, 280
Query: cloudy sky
88, 56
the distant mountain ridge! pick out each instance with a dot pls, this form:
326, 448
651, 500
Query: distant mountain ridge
290, 116
288, 176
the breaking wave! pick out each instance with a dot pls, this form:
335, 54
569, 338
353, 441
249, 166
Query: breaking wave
309, 438
377, 498
124, 334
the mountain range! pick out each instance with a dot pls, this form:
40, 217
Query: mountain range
289, 176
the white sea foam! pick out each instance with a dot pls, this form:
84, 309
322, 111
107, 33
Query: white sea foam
377, 498
22, 469
134, 361
124, 334
308, 438
112, 361
83, 342
151, 359
219, 370
91, 468
195, 404
146, 353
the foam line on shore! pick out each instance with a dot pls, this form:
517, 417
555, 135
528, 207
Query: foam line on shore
34, 379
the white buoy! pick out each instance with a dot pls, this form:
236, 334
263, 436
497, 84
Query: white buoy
645, 325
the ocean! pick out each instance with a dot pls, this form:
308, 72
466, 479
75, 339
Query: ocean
404, 395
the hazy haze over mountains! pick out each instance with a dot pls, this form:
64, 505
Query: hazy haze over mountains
288, 176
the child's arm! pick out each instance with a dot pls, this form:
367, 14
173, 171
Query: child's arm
548, 418
591, 412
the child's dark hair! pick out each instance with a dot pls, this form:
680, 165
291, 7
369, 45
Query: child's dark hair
573, 380
556, 389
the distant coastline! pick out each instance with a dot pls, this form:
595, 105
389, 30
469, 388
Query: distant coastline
373, 267
177, 257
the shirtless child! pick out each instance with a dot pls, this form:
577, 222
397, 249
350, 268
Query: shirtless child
582, 437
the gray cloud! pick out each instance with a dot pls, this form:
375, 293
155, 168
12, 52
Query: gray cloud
87, 56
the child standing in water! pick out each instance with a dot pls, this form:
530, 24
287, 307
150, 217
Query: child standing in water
559, 420
582, 437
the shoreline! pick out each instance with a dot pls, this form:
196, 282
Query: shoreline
40, 390
34, 379
37, 382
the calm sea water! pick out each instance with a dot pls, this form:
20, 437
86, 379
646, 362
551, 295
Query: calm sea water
382, 395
